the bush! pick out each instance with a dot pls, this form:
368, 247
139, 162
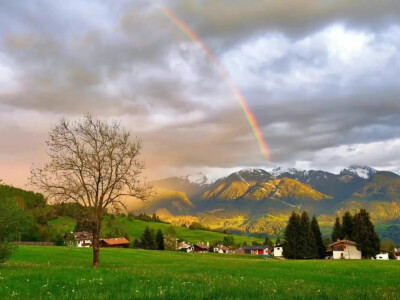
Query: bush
6, 250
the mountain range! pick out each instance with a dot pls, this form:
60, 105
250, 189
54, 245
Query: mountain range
258, 201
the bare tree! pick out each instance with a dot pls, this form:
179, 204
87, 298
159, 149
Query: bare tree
94, 164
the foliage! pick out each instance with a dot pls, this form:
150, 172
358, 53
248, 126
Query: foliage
268, 242
337, 230
228, 240
147, 241
291, 236
364, 234
321, 249
70, 240
160, 240
347, 226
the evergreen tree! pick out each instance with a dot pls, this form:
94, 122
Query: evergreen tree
308, 247
337, 230
160, 240
291, 245
147, 240
137, 244
268, 242
228, 240
364, 235
318, 237
278, 241
347, 226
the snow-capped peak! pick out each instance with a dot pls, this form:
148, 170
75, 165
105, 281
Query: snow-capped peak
198, 178
279, 171
360, 171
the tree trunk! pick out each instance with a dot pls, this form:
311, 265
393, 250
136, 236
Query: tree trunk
96, 243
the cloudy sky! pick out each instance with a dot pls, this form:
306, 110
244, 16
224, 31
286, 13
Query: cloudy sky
321, 77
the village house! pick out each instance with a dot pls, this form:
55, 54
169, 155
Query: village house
221, 249
278, 250
345, 249
382, 256
238, 251
396, 253
83, 239
120, 242
185, 246
201, 248
256, 250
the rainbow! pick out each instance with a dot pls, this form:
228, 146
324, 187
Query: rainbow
238, 95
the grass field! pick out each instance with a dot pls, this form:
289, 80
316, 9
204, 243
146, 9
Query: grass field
135, 229
61, 273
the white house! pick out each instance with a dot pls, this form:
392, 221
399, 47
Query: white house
185, 246
221, 249
345, 249
382, 256
278, 251
83, 239
397, 253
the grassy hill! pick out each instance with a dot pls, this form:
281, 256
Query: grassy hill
135, 229
61, 273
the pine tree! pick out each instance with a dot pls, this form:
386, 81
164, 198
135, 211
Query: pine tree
364, 235
147, 239
347, 226
268, 242
337, 230
291, 245
308, 247
160, 240
318, 237
278, 241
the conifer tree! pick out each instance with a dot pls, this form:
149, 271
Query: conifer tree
160, 240
364, 235
147, 239
318, 237
308, 247
278, 241
337, 230
291, 245
347, 226
268, 242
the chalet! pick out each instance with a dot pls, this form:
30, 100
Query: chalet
185, 246
83, 239
120, 242
201, 248
221, 249
345, 249
256, 250
278, 250
397, 254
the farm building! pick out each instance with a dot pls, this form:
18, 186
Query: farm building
83, 239
120, 242
201, 248
278, 251
256, 250
345, 249
397, 253
221, 249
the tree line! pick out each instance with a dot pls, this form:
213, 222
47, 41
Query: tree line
303, 238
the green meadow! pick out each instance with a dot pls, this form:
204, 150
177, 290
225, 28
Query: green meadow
135, 228
63, 273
